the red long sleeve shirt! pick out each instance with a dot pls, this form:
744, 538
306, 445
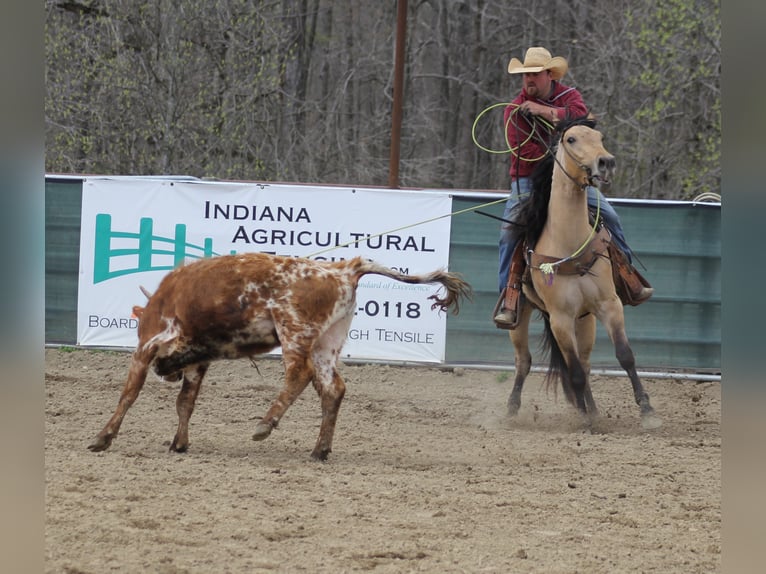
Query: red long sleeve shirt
567, 102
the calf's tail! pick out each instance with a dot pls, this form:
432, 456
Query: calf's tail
456, 288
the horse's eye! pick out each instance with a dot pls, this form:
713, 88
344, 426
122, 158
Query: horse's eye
571, 140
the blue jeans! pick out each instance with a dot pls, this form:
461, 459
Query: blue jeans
520, 190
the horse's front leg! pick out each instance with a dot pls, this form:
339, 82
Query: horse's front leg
649, 420
523, 358
575, 379
585, 330
615, 325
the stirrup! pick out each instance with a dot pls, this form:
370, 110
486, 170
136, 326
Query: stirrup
643, 295
503, 318
632, 287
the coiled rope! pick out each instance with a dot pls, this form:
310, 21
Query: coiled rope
534, 121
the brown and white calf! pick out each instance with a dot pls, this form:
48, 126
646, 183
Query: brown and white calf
242, 305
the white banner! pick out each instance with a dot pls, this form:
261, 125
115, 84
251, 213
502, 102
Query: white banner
134, 230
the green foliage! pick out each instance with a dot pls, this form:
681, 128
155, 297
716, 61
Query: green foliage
158, 87
301, 90
678, 43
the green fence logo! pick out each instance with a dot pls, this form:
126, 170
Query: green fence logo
148, 247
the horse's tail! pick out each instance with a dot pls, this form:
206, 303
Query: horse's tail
557, 366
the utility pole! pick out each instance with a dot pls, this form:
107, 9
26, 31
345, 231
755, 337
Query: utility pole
396, 116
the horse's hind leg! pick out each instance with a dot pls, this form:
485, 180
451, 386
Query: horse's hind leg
523, 358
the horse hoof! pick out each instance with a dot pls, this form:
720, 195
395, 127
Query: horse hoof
649, 422
180, 448
262, 430
513, 404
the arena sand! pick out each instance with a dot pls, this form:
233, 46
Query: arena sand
427, 474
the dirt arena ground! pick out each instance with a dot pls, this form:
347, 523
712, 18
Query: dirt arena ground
427, 474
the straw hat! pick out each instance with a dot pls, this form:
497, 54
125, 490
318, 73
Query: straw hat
538, 59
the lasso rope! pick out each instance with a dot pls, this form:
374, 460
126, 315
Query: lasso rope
534, 121
467, 209
510, 149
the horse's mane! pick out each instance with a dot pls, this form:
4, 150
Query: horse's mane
534, 211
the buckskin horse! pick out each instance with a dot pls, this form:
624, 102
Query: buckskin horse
569, 276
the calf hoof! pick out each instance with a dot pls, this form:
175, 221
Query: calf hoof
101, 443
262, 430
320, 455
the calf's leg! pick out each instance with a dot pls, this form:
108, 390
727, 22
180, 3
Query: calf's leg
328, 382
298, 372
139, 366
331, 389
192, 379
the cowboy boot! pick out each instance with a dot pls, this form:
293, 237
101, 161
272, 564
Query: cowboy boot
508, 316
632, 288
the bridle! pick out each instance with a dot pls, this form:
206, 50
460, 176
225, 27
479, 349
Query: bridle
550, 148
578, 163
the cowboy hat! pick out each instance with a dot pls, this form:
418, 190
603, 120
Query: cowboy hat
538, 59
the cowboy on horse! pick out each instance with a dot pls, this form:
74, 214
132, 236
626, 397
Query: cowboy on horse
530, 121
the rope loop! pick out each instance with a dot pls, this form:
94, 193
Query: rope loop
536, 122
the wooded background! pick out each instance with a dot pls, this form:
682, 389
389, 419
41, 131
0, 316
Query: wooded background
301, 90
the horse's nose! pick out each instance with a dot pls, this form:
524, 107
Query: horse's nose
606, 163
